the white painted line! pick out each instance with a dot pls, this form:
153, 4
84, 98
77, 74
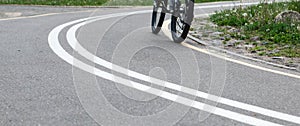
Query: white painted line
56, 47
166, 31
240, 62
237, 104
73, 42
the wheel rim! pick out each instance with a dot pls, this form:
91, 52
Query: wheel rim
180, 20
157, 13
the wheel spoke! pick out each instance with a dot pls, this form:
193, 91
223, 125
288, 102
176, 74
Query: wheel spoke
179, 21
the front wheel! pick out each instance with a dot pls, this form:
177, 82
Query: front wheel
181, 20
179, 29
158, 17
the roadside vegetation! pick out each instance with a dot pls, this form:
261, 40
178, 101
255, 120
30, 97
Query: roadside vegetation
258, 27
88, 2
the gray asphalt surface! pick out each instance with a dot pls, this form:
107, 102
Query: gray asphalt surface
39, 88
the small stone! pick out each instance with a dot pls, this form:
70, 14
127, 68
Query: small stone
292, 65
239, 46
205, 34
209, 32
232, 30
248, 47
227, 36
255, 38
276, 51
243, 36
206, 38
273, 52
298, 68
217, 33
216, 42
289, 15
198, 35
228, 27
269, 53
194, 34
240, 52
286, 46
213, 25
265, 43
202, 23
230, 43
278, 58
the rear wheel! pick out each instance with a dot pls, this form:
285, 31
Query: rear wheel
158, 17
181, 20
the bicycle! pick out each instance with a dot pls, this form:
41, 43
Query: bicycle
182, 16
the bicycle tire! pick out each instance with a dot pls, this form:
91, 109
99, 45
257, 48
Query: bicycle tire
177, 35
156, 24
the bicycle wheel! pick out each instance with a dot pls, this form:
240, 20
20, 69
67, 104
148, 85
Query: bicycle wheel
181, 20
158, 17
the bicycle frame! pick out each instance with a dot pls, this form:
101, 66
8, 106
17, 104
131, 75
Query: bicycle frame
182, 16
174, 8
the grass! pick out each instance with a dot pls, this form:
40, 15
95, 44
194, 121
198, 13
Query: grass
275, 38
88, 2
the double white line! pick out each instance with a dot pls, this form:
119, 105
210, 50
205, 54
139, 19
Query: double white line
73, 42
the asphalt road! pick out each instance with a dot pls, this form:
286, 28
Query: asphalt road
43, 84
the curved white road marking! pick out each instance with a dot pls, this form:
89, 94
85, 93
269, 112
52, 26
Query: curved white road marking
56, 47
171, 85
167, 32
73, 42
239, 62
